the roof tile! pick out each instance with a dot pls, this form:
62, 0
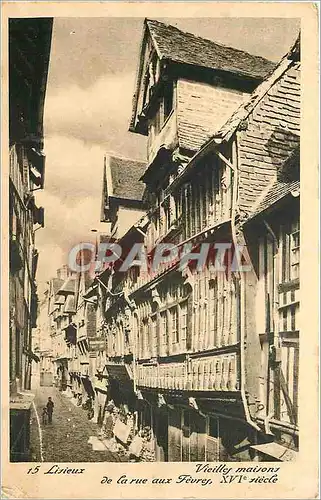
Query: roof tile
182, 47
68, 287
69, 306
126, 176
277, 191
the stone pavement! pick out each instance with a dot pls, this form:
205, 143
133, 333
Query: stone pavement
66, 439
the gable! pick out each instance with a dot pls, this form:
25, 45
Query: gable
146, 79
121, 184
164, 47
201, 110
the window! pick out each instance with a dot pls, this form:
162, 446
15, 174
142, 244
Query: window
295, 252
178, 206
144, 329
213, 440
183, 321
291, 252
140, 331
167, 214
213, 312
154, 334
120, 340
174, 324
163, 333
163, 109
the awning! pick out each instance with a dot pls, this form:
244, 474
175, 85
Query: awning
21, 401
60, 299
70, 306
277, 451
91, 291
39, 216
36, 176
162, 157
100, 385
70, 333
37, 168
119, 372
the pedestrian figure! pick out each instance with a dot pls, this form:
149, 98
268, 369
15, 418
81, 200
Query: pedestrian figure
50, 407
44, 415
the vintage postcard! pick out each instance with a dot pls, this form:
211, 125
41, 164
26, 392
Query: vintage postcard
160, 250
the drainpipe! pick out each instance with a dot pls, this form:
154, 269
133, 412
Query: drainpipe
241, 288
275, 314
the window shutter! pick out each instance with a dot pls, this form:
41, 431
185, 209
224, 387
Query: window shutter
174, 436
197, 437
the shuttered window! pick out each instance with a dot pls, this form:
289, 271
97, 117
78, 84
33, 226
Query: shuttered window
193, 436
213, 440
174, 436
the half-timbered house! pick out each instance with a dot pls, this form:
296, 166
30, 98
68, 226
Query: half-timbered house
197, 342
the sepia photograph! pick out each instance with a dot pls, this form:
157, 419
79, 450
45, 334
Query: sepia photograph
154, 240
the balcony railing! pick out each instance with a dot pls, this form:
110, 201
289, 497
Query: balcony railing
212, 373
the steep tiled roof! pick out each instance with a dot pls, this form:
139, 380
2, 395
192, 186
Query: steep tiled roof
125, 176
56, 284
268, 130
271, 134
60, 299
68, 287
286, 182
69, 306
106, 238
249, 105
181, 47
201, 111
276, 192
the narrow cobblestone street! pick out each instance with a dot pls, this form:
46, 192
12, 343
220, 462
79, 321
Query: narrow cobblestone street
66, 439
